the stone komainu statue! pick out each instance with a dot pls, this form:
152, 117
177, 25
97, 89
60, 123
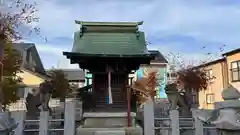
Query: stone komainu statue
45, 90
177, 99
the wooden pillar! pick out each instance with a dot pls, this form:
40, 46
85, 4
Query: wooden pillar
129, 107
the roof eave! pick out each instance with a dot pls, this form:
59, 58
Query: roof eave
231, 52
40, 75
211, 63
76, 54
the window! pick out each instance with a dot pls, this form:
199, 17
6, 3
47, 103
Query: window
235, 70
210, 98
210, 76
209, 73
194, 99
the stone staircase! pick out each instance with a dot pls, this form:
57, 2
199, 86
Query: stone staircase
101, 100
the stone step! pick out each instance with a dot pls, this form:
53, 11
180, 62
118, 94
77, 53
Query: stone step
114, 100
111, 107
115, 97
117, 101
110, 131
114, 104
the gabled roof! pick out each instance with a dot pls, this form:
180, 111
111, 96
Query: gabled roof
23, 48
159, 58
231, 52
109, 38
110, 43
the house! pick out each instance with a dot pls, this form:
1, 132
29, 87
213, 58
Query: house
33, 72
222, 73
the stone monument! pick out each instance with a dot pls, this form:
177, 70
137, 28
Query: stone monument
226, 115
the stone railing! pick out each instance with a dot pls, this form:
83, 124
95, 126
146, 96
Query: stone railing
45, 125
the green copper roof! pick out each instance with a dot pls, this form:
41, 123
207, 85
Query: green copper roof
109, 38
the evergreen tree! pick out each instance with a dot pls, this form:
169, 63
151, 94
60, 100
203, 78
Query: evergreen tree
60, 84
14, 16
10, 81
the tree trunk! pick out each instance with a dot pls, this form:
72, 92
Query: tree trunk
1, 72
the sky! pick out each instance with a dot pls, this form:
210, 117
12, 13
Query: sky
189, 28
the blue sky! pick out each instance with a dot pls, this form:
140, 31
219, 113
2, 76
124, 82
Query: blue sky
177, 26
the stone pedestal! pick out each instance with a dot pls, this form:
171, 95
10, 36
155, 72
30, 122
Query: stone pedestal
108, 124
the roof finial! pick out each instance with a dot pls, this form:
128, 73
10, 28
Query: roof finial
77, 22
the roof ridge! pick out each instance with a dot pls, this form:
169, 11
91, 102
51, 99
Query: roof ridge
86, 23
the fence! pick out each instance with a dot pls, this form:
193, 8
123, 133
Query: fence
173, 125
45, 125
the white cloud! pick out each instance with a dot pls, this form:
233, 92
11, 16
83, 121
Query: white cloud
53, 56
175, 57
48, 48
203, 20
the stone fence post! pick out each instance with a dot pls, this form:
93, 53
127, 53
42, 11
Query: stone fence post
148, 114
198, 124
43, 124
69, 118
198, 127
174, 116
19, 117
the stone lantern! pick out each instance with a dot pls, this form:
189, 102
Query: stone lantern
226, 114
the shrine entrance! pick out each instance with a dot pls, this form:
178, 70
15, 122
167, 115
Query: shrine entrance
110, 51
